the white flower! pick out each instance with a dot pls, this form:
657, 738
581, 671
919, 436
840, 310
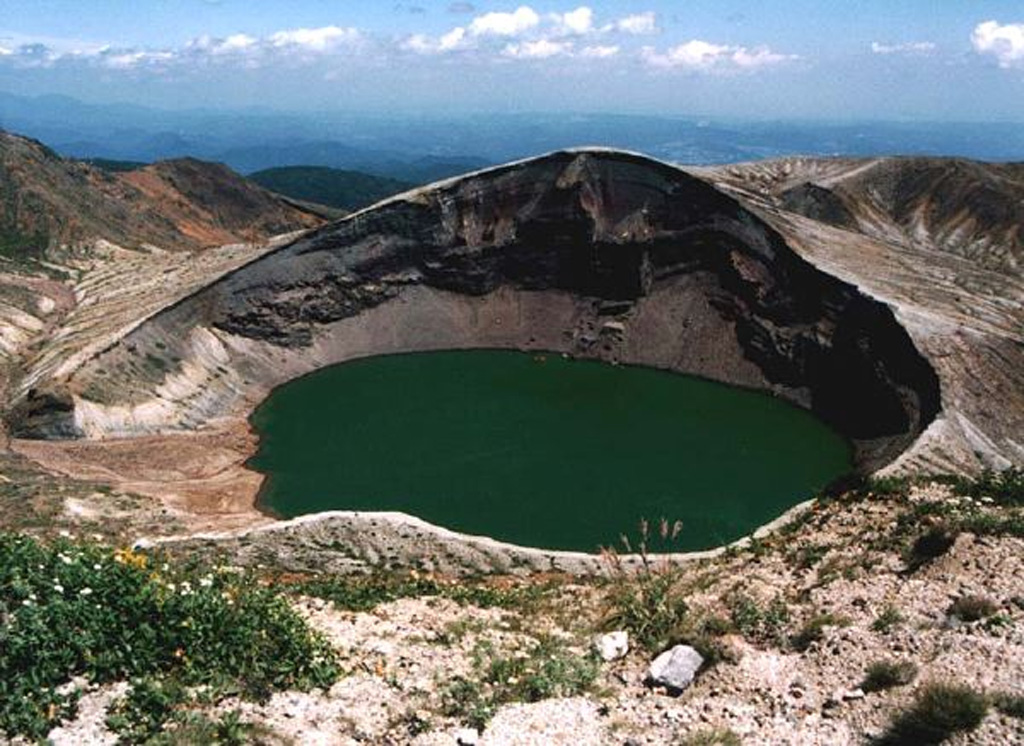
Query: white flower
85, 592
65, 559
97, 566
206, 582
26, 602
65, 534
58, 587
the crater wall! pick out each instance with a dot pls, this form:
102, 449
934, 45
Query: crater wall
593, 254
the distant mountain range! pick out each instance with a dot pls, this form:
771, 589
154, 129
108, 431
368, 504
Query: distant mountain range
419, 149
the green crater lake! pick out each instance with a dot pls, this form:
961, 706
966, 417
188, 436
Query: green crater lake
538, 450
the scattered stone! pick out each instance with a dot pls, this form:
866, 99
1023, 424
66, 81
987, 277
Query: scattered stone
612, 646
675, 669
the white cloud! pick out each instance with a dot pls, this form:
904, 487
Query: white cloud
538, 50
640, 23
421, 44
693, 54
521, 20
238, 41
4, 51
1004, 42
702, 55
127, 60
235, 44
599, 52
235, 49
578, 22
910, 47
758, 57
314, 39
453, 39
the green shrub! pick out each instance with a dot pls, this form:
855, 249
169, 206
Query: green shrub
813, 630
992, 524
939, 712
546, 669
897, 487
764, 626
882, 675
1011, 705
1002, 487
646, 600
929, 546
806, 556
889, 617
190, 728
150, 703
75, 609
972, 608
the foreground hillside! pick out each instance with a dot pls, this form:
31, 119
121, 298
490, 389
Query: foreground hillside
888, 615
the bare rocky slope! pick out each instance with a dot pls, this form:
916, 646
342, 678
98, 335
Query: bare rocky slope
53, 204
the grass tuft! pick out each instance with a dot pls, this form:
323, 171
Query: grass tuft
972, 608
939, 712
646, 600
889, 618
882, 675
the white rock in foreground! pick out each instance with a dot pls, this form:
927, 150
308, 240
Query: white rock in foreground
676, 668
612, 646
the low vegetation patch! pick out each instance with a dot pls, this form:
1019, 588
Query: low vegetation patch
71, 609
762, 625
647, 600
882, 675
888, 618
1011, 705
939, 712
972, 608
813, 630
366, 592
1004, 488
711, 737
929, 546
543, 669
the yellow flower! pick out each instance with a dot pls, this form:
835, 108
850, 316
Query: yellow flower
131, 558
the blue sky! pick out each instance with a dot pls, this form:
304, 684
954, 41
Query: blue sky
835, 59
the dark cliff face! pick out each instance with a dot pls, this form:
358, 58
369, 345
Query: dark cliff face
613, 232
612, 228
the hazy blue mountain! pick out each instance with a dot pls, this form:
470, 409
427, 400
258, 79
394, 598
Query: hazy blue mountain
419, 148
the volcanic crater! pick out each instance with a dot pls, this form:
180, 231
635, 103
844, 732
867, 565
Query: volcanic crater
896, 338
